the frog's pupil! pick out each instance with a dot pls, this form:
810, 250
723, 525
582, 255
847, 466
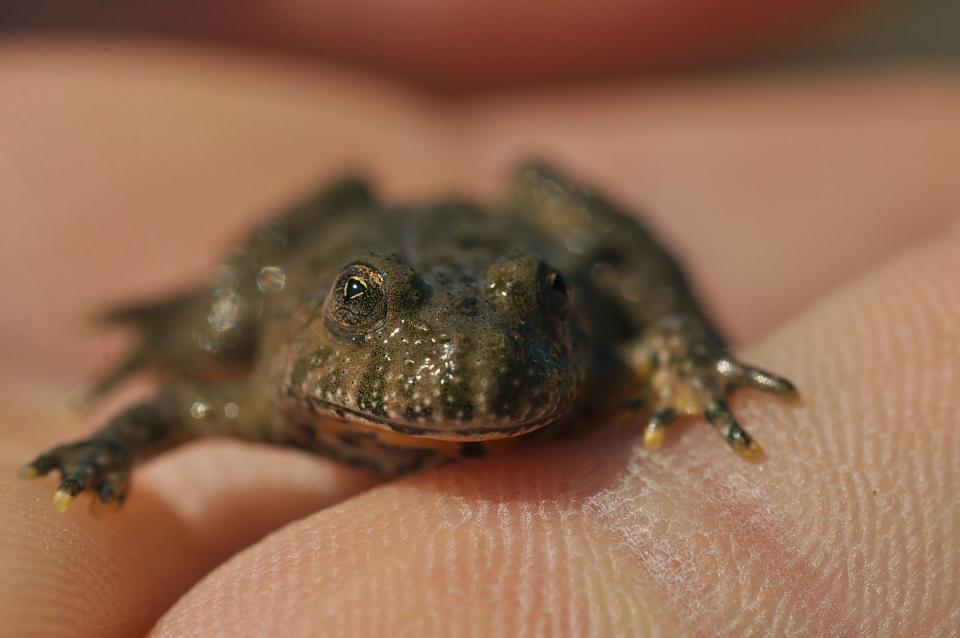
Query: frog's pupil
353, 289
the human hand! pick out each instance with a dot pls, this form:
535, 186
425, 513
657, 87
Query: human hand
798, 204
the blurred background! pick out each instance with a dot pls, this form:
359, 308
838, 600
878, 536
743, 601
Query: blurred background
463, 45
884, 32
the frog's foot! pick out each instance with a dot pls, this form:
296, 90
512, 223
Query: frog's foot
97, 464
686, 373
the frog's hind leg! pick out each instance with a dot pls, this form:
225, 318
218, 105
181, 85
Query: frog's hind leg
619, 268
150, 321
200, 335
132, 362
684, 371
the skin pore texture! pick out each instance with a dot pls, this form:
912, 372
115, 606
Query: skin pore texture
817, 216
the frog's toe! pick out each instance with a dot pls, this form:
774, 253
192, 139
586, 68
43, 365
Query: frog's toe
93, 464
656, 430
740, 375
66, 493
40, 466
114, 487
730, 429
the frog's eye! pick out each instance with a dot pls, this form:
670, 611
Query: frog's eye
557, 283
357, 300
354, 288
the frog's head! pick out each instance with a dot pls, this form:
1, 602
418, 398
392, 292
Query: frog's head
447, 353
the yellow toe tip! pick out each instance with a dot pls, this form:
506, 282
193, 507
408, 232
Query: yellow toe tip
653, 438
62, 500
752, 451
28, 472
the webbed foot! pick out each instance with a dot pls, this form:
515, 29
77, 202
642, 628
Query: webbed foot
685, 372
98, 464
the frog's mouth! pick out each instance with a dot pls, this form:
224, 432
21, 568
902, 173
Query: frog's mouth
483, 432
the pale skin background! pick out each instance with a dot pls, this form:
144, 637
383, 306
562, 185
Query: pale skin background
818, 214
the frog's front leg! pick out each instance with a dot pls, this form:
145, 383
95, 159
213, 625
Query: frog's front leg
103, 462
684, 371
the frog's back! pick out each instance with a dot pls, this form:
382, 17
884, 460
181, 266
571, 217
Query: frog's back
440, 239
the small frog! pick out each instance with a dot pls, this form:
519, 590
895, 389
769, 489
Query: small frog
395, 338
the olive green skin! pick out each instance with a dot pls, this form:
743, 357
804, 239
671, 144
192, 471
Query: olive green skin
489, 322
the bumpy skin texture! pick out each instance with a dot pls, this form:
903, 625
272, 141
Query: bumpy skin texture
394, 338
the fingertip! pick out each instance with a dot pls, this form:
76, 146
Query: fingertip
62, 568
481, 555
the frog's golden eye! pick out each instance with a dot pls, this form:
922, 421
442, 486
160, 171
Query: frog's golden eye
357, 299
354, 288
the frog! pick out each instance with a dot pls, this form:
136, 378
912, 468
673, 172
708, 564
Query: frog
397, 337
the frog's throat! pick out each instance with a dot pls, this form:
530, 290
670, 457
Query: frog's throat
475, 433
